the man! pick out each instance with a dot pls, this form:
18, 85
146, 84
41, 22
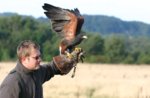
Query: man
26, 79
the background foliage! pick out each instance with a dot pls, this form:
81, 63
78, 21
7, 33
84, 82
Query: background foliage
110, 48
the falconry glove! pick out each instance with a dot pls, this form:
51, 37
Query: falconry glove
65, 63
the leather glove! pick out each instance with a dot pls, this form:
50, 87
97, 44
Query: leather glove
63, 63
66, 62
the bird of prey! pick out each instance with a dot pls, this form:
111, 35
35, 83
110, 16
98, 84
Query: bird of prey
66, 23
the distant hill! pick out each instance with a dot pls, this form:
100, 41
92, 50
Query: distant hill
111, 25
106, 25
6, 14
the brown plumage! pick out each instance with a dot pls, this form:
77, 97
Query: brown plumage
67, 23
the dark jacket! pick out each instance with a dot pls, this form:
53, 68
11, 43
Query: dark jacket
22, 83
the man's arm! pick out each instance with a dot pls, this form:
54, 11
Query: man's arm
60, 64
47, 71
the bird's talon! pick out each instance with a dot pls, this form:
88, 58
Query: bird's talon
78, 49
69, 55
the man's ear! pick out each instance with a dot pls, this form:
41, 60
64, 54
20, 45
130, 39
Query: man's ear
24, 59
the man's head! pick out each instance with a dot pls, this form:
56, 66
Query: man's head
29, 55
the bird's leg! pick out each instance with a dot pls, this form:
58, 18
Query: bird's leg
69, 55
77, 49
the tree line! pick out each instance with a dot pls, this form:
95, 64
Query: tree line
98, 49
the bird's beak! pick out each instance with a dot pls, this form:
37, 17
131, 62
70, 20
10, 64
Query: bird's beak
85, 37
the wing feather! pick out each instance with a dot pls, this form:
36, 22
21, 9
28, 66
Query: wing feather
80, 20
63, 21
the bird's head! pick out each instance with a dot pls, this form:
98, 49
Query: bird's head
81, 36
84, 37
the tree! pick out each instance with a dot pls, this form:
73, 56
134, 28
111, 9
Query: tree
115, 49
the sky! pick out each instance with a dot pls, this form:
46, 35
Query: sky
128, 10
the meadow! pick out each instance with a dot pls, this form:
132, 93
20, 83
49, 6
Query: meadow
96, 81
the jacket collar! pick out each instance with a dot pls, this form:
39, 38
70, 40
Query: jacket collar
20, 68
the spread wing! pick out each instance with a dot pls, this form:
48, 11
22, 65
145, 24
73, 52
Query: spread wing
67, 23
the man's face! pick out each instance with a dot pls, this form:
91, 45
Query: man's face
33, 61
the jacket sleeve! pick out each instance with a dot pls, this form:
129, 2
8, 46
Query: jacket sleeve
9, 88
47, 71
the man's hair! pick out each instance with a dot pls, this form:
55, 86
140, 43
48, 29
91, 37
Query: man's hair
24, 48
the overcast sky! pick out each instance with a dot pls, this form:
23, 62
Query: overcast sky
129, 10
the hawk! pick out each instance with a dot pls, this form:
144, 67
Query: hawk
66, 23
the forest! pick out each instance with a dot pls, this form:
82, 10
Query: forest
112, 48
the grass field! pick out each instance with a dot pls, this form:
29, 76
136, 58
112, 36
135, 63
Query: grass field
96, 81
